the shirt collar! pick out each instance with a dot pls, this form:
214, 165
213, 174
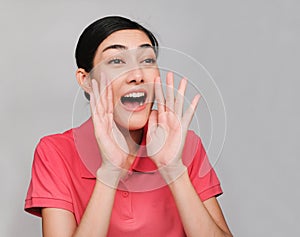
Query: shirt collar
142, 163
89, 154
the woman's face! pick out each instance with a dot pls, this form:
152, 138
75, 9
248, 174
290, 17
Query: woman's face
128, 61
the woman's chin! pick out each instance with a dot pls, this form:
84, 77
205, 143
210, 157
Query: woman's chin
135, 122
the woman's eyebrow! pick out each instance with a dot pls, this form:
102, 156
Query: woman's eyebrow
114, 46
119, 46
146, 46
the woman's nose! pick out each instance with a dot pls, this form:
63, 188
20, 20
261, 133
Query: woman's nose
135, 76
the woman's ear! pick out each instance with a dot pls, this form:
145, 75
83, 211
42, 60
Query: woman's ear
83, 80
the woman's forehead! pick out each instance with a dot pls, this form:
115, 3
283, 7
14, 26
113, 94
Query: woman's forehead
126, 39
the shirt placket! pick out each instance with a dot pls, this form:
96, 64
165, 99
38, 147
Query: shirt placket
126, 199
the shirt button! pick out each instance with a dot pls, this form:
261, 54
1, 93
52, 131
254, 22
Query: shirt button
125, 194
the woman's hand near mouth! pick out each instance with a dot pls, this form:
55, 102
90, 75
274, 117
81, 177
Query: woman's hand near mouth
111, 142
168, 127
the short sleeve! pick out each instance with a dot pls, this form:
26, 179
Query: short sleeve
202, 174
49, 183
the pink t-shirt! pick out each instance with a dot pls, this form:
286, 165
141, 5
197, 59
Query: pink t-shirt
144, 205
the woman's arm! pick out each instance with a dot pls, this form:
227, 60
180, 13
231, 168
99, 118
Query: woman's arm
198, 218
165, 140
94, 222
96, 218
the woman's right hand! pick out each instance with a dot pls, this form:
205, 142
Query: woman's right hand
112, 144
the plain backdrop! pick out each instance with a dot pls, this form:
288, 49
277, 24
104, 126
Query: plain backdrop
251, 48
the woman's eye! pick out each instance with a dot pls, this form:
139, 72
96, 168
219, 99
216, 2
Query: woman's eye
150, 61
116, 61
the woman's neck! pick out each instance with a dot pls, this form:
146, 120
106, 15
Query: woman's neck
133, 139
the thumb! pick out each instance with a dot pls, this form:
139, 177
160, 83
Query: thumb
152, 125
152, 122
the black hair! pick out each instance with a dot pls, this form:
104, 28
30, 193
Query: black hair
98, 31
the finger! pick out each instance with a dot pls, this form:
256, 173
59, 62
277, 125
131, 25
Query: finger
95, 90
92, 101
94, 97
180, 97
117, 135
152, 123
159, 95
103, 91
189, 113
170, 92
110, 106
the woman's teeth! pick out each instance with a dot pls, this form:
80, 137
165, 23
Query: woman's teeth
134, 99
135, 95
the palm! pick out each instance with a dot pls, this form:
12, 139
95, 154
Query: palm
111, 142
163, 137
168, 126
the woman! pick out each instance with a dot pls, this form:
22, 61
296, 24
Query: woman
148, 182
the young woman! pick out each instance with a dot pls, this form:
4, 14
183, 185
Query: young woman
147, 182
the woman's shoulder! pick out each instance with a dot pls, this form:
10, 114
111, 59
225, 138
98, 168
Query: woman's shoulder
192, 147
56, 146
62, 140
192, 140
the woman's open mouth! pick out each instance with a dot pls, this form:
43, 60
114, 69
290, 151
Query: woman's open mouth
134, 101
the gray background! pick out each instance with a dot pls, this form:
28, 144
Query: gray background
251, 48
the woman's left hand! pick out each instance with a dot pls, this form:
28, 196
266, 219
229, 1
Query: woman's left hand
167, 127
